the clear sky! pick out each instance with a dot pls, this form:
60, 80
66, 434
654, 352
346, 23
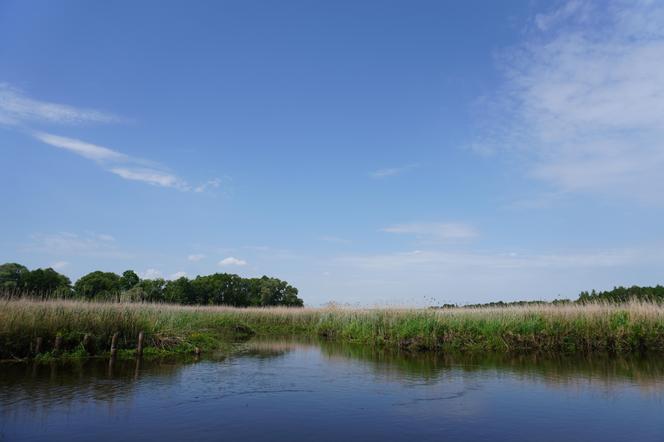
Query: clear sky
368, 152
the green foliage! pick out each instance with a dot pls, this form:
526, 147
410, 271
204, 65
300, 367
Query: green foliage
128, 280
179, 291
10, 275
624, 294
573, 328
216, 289
98, 285
45, 281
272, 291
40, 282
151, 290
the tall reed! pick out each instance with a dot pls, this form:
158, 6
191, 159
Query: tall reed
625, 328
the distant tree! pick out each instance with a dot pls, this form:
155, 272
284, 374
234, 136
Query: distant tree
151, 290
220, 289
267, 291
45, 282
179, 291
624, 294
128, 280
10, 275
100, 285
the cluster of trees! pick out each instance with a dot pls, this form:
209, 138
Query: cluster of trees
624, 294
519, 303
505, 304
617, 295
217, 289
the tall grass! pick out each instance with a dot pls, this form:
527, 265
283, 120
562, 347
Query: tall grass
626, 328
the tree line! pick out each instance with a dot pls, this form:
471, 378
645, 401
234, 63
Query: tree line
615, 296
215, 289
624, 294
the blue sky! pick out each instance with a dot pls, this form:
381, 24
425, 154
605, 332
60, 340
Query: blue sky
368, 152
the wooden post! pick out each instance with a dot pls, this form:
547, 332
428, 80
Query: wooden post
38, 346
114, 345
86, 342
139, 346
137, 368
57, 344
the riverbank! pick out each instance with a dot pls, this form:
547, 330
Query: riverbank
64, 325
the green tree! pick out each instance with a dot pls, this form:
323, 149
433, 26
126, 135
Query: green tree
128, 280
45, 282
100, 285
179, 291
10, 275
272, 291
151, 290
221, 289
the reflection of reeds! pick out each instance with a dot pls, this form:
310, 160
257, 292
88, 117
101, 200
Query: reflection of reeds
634, 327
558, 371
37, 387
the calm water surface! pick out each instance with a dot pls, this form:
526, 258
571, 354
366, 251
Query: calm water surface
291, 390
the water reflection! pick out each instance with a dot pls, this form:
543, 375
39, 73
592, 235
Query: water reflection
294, 389
647, 372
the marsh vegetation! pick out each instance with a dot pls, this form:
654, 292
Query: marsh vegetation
634, 327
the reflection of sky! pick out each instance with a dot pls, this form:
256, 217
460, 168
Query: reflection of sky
301, 392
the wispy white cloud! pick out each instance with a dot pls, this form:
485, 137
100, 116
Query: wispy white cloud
579, 9
118, 163
151, 176
583, 100
17, 108
232, 261
151, 274
488, 275
334, 239
195, 257
433, 230
177, 275
210, 184
73, 244
59, 265
444, 260
392, 171
86, 150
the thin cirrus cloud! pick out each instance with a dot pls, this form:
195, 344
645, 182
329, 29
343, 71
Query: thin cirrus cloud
440, 260
65, 244
195, 257
433, 230
151, 176
232, 261
581, 103
152, 273
59, 265
334, 239
392, 171
86, 150
17, 109
115, 162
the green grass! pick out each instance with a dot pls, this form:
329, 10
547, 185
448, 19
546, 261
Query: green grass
628, 328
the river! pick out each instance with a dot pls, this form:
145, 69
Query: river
306, 390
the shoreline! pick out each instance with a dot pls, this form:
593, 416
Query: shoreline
83, 329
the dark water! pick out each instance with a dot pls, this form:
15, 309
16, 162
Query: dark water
308, 391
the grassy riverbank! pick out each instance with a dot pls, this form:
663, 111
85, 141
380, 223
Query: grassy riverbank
629, 328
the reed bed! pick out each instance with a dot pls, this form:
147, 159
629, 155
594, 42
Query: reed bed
625, 328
